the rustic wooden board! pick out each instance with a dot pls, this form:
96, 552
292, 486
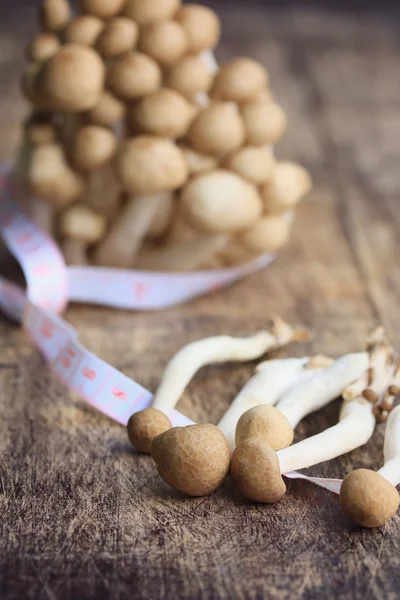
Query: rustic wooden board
81, 516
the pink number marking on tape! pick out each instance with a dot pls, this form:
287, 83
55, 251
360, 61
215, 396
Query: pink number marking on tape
50, 284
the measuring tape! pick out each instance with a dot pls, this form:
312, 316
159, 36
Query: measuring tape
50, 285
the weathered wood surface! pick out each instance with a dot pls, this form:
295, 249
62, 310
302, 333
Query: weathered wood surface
81, 516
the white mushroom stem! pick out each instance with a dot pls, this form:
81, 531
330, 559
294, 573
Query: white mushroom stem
325, 386
74, 252
129, 230
266, 387
356, 425
216, 350
190, 255
103, 191
391, 450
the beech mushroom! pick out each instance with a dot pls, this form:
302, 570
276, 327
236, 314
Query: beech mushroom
266, 387
218, 129
54, 14
254, 163
146, 12
264, 123
190, 76
93, 146
288, 185
181, 369
162, 219
108, 111
42, 47
72, 79
51, 178
370, 499
202, 27
118, 37
80, 227
133, 76
165, 113
84, 29
194, 459
165, 41
257, 469
198, 162
104, 9
239, 79
149, 169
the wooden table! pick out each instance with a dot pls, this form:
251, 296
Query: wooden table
81, 516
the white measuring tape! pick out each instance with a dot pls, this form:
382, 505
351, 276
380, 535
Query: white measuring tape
50, 284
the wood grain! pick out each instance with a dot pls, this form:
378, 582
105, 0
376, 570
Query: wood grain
81, 515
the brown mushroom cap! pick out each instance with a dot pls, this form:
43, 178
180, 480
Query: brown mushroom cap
51, 178
266, 423
118, 36
72, 79
145, 426
103, 8
84, 29
108, 111
287, 186
190, 76
256, 473
166, 42
54, 14
220, 202
193, 459
134, 76
255, 163
266, 235
239, 79
79, 222
197, 162
165, 113
202, 26
42, 47
147, 165
264, 123
368, 498
146, 12
217, 129
92, 147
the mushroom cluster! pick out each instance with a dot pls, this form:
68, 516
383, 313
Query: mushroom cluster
139, 152
254, 439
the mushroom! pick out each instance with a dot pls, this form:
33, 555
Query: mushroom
183, 366
256, 469
190, 77
134, 76
54, 14
146, 12
197, 162
51, 178
149, 169
166, 42
370, 499
254, 163
165, 113
84, 29
202, 27
239, 79
266, 387
118, 37
217, 130
214, 203
265, 123
143, 430
194, 459
42, 47
93, 146
104, 9
73, 79
80, 227
162, 219
268, 234
288, 185
108, 111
